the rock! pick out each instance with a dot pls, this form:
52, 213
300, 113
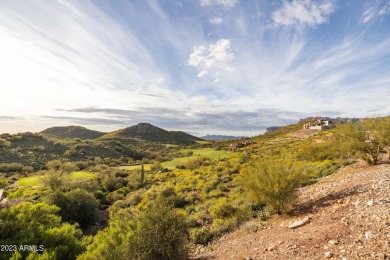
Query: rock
333, 242
345, 221
271, 248
299, 223
369, 234
370, 203
356, 203
328, 254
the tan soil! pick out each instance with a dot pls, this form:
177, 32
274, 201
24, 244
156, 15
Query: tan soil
350, 213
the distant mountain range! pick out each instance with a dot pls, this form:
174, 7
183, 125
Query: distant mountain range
143, 131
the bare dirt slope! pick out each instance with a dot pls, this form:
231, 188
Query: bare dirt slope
350, 219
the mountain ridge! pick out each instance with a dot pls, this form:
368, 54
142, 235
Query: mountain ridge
71, 132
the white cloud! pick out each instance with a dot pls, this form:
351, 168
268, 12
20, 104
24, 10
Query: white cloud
375, 11
368, 15
214, 57
224, 3
216, 20
385, 10
303, 12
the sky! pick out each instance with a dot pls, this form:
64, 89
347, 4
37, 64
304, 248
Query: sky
230, 67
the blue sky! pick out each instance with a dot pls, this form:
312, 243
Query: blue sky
202, 66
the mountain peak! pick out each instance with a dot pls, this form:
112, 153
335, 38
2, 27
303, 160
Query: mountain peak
144, 128
149, 132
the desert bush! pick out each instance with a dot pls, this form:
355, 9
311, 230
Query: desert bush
76, 205
222, 209
192, 164
161, 234
110, 243
37, 224
55, 180
214, 194
3, 184
109, 182
223, 225
200, 236
4, 143
319, 152
135, 197
11, 167
156, 167
169, 195
39, 148
366, 138
273, 182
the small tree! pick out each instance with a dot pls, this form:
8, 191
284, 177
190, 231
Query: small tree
76, 205
273, 183
161, 234
54, 179
38, 224
366, 138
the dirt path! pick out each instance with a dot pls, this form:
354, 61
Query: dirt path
350, 219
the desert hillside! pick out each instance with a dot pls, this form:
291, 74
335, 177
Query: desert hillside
349, 215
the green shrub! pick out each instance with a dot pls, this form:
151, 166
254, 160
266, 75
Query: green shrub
76, 205
192, 164
214, 194
273, 182
161, 234
200, 236
366, 138
54, 179
37, 224
4, 143
223, 225
222, 209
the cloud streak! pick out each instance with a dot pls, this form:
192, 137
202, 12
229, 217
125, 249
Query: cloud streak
224, 3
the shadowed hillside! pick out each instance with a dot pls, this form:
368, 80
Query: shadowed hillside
70, 132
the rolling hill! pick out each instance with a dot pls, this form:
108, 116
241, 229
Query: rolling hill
71, 132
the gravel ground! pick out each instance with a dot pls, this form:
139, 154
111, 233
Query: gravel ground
344, 216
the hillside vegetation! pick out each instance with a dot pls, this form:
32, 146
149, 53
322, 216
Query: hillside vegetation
71, 132
167, 212
139, 143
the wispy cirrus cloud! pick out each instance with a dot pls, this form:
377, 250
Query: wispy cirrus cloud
216, 20
377, 10
224, 3
70, 51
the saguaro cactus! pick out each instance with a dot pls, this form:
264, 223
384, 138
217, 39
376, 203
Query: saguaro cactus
142, 175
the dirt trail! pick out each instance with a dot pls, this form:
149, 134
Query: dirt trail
350, 219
